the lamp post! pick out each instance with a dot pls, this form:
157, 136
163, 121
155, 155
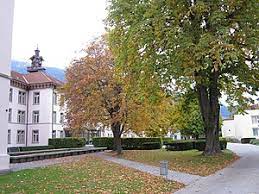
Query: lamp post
6, 25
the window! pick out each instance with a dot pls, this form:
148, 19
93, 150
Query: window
255, 119
61, 118
10, 115
54, 134
9, 136
20, 137
21, 116
35, 136
54, 117
36, 98
61, 134
55, 98
11, 95
21, 97
255, 131
35, 117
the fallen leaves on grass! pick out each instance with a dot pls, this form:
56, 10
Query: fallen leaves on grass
89, 175
191, 161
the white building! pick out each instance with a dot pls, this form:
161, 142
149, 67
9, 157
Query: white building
34, 114
6, 23
242, 126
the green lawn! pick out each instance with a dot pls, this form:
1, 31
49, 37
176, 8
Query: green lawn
191, 161
90, 175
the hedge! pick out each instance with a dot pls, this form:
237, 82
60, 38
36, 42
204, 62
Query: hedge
129, 143
180, 145
166, 140
192, 144
254, 141
246, 140
29, 148
68, 142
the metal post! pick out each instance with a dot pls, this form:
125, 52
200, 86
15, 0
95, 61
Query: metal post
164, 168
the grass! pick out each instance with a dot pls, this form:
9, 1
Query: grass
89, 175
191, 161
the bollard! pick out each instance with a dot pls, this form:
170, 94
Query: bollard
164, 168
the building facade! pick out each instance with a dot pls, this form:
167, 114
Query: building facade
242, 125
6, 25
34, 113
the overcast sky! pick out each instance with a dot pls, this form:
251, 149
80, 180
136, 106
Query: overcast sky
61, 28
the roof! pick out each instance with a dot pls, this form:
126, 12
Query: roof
35, 78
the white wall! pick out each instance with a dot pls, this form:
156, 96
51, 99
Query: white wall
241, 126
228, 128
45, 125
6, 22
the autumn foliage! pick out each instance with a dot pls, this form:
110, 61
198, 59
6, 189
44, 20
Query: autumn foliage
96, 95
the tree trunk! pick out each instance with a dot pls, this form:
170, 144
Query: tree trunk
209, 105
116, 129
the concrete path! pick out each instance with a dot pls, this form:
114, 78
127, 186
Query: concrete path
242, 177
172, 175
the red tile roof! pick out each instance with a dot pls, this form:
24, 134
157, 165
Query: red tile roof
35, 78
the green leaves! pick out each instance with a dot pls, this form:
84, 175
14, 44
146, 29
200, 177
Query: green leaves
179, 40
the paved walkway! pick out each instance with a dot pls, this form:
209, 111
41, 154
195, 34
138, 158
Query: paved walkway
172, 175
242, 177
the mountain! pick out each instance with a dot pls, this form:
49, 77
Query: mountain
225, 113
21, 67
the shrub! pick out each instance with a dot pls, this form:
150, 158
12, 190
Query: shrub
192, 144
103, 142
254, 141
137, 143
201, 144
246, 140
68, 142
232, 140
166, 140
29, 148
180, 145
151, 145
129, 143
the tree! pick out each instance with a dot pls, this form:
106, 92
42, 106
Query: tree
92, 94
187, 116
208, 46
96, 95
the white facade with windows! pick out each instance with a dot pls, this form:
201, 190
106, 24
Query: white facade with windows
34, 113
242, 126
6, 23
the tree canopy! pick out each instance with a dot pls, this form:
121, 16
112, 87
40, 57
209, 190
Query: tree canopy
210, 47
96, 95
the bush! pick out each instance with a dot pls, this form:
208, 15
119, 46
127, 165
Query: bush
137, 143
151, 145
29, 148
192, 144
246, 140
201, 144
166, 140
103, 142
129, 143
68, 142
180, 145
232, 140
254, 141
